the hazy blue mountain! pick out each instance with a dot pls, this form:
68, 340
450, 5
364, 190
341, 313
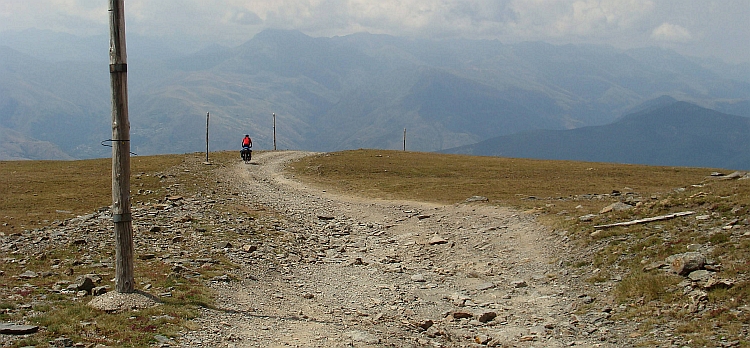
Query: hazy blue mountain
15, 146
64, 105
355, 91
671, 134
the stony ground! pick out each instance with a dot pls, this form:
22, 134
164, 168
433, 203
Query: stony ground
345, 271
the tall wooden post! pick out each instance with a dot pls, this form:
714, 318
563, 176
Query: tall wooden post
121, 213
404, 139
207, 162
274, 131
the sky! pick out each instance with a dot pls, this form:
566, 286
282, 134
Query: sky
701, 28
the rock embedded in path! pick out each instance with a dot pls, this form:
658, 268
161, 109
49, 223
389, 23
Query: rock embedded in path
487, 316
437, 240
425, 324
461, 314
223, 245
485, 286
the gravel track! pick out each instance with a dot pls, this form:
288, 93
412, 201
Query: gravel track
346, 271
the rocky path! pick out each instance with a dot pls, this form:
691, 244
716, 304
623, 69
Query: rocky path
346, 271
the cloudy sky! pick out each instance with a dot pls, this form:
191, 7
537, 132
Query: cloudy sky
703, 28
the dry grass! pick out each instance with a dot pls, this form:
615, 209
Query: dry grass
453, 178
34, 193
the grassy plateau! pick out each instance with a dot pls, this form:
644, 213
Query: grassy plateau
37, 194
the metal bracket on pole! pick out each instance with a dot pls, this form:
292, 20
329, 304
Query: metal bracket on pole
115, 68
121, 217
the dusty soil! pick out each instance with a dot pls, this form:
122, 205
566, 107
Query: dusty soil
347, 271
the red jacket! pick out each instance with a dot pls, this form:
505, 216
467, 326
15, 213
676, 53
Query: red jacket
246, 142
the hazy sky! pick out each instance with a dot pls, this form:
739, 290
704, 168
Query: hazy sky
704, 28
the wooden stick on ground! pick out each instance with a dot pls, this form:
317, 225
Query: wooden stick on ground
641, 221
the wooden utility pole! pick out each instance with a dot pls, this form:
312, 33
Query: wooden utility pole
207, 116
404, 139
121, 213
274, 131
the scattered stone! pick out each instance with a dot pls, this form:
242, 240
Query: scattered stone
462, 314
700, 275
654, 265
61, 342
84, 283
713, 283
476, 199
436, 240
99, 290
485, 286
357, 262
683, 264
425, 324
487, 316
482, 339
363, 337
519, 284
221, 279
223, 245
587, 217
586, 299
249, 248
419, 278
617, 206
28, 275
11, 329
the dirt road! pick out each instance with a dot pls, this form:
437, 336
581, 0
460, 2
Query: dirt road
345, 271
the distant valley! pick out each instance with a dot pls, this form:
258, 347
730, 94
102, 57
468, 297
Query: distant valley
355, 91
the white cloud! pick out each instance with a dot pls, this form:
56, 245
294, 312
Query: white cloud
671, 33
623, 23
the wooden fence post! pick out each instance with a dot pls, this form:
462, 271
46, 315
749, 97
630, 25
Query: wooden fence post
207, 116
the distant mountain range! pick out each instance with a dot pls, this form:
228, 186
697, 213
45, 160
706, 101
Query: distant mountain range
355, 91
666, 132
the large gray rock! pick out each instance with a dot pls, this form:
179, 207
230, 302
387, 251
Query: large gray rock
683, 264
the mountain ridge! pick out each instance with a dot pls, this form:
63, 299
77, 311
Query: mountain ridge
354, 91
670, 134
